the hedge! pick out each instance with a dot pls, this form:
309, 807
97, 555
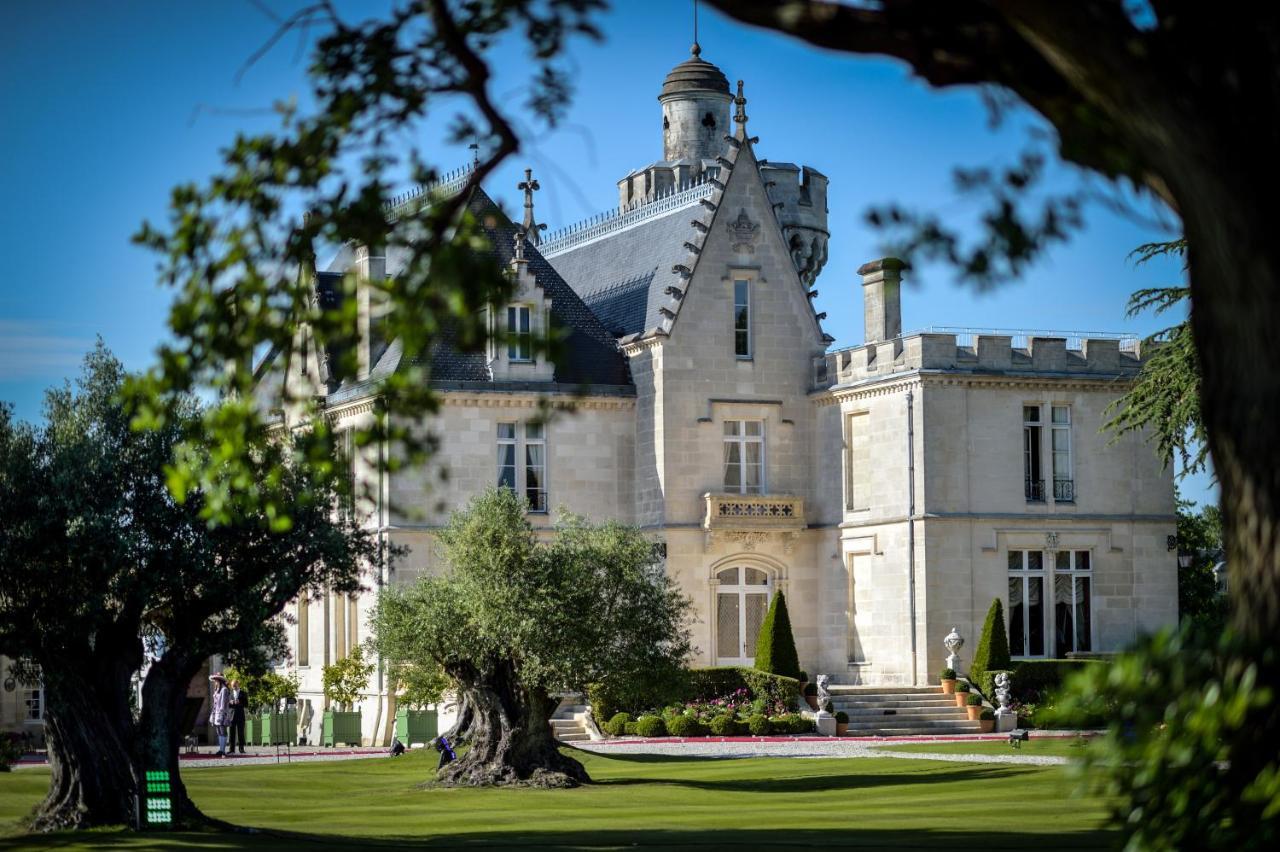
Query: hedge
717, 681
993, 645
607, 700
776, 646
1032, 679
617, 724
988, 683
724, 725
759, 725
651, 726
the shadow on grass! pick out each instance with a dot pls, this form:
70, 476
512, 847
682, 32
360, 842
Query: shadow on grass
650, 838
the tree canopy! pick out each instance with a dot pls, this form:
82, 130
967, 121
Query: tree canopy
513, 620
101, 568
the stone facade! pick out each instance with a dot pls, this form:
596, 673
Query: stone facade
885, 487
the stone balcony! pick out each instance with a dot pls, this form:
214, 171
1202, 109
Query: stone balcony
753, 519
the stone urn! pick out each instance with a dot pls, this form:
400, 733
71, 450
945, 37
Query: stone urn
954, 642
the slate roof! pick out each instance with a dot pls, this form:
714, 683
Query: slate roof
590, 354
624, 276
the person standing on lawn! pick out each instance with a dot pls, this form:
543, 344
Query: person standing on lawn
239, 704
220, 713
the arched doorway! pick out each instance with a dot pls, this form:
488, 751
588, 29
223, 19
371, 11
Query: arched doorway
742, 600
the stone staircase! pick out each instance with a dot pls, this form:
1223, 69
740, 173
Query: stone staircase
569, 725
901, 711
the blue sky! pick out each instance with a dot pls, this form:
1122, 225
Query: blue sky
104, 107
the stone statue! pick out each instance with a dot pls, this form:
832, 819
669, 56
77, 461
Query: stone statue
822, 720
954, 643
1006, 719
823, 694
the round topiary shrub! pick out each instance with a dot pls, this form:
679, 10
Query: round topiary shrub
651, 726
686, 726
962, 686
723, 725
759, 725
617, 726
948, 674
842, 717
987, 715
630, 729
974, 700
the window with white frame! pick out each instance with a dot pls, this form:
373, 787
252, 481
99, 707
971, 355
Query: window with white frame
1060, 445
742, 318
535, 466
33, 704
529, 478
744, 456
1026, 603
1072, 605
1032, 470
507, 456
520, 334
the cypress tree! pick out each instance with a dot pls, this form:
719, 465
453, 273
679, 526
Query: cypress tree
993, 647
776, 647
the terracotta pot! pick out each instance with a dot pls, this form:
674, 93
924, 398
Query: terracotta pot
949, 687
961, 698
986, 725
842, 728
975, 710
812, 701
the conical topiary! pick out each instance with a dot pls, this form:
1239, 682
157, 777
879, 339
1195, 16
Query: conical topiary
993, 646
776, 647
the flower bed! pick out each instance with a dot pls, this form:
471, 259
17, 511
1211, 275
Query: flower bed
733, 715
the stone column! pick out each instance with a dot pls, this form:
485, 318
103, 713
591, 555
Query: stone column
881, 299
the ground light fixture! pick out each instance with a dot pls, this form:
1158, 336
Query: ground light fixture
154, 806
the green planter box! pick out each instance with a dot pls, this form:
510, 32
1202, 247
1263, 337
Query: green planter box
340, 727
252, 729
278, 728
415, 726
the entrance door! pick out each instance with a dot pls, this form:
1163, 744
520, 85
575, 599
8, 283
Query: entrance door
741, 603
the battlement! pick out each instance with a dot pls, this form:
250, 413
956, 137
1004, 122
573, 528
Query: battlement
799, 197
984, 351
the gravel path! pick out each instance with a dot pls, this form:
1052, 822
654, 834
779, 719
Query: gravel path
802, 748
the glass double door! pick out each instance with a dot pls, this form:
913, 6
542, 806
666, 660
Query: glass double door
742, 600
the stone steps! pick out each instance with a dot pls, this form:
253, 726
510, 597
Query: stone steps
568, 726
901, 711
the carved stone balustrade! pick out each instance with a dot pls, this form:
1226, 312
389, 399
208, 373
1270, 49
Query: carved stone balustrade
753, 519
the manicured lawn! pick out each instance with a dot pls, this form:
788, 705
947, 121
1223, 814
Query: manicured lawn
1059, 747
637, 800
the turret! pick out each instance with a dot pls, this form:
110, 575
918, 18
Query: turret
799, 197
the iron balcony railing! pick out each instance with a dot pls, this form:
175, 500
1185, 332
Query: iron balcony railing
1035, 490
1064, 490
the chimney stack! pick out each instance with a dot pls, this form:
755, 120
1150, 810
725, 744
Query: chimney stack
881, 300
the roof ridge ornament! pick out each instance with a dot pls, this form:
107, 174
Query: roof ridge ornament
740, 111
531, 228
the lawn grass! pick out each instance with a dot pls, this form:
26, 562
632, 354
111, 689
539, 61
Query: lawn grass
1046, 747
636, 801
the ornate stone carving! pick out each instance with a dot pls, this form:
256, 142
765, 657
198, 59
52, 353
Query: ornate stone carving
744, 232
954, 643
750, 520
1051, 541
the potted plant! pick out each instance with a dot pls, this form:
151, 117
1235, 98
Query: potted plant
962, 692
948, 681
277, 726
417, 688
842, 723
974, 705
987, 721
343, 683
811, 695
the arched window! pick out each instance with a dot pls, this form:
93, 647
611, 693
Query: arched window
742, 599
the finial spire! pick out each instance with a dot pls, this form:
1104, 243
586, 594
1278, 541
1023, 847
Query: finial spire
531, 228
519, 247
740, 113
696, 50
475, 154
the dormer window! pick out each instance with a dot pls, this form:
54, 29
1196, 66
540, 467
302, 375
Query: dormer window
520, 337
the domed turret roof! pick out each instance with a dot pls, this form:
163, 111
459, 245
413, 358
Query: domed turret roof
694, 75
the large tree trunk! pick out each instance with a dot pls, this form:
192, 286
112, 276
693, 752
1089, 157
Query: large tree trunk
88, 730
159, 741
511, 739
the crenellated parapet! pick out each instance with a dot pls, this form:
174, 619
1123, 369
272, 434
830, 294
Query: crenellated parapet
987, 351
799, 197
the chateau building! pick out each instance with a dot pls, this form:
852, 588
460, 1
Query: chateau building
892, 489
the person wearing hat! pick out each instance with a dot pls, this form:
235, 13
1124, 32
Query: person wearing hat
220, 714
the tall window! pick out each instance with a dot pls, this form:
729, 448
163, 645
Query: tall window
1033, 476
520, 340
1072, 610
353, 624
742, 601
535, 466
742, 318
1026, 603
744, 456
507, 455
531, 477
857, 481
33, 704
1060, 442
304, 630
